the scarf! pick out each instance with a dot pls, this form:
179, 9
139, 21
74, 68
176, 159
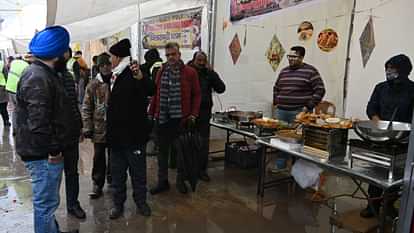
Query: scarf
170, 93
118, 70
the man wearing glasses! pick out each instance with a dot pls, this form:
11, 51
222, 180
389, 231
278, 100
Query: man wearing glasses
298, 88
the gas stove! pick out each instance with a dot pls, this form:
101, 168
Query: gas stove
389, 156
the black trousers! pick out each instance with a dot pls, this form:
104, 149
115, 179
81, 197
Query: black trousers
374, 192
133, 160
100, 169
71, 158
204, 129
167, 133
4, 113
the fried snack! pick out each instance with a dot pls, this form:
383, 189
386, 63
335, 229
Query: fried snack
266, 123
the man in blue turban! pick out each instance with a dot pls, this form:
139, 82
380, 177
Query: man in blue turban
40, 124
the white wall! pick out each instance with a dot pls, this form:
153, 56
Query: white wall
250, 82
393, 35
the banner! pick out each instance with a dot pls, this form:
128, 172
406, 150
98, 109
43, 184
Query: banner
241, 9
183, 27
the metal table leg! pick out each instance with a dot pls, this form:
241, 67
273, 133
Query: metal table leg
262, 172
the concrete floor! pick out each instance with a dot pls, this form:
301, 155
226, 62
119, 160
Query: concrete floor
228, 204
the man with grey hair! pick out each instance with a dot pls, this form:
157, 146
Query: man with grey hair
175, 105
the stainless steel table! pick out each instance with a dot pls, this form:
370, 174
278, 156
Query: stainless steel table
359, 174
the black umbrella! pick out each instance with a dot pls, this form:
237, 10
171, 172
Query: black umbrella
188, 146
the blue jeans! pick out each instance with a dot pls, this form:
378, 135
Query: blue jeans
46, 179
288, 116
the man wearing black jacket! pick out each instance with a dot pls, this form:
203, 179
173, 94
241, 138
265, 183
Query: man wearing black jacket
209, 81
394, 94
71, 145
41, 126
128, 129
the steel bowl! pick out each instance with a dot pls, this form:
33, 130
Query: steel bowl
244, 116
382, 131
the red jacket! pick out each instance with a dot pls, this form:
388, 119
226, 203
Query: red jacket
190, 94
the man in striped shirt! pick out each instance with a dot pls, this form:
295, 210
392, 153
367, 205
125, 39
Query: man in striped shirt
299, 87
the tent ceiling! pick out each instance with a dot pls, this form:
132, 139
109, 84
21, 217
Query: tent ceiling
97, 19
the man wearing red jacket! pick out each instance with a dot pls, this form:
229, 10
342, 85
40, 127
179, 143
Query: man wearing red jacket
175, 105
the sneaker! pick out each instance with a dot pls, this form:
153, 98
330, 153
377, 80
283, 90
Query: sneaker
205, 177
116, 212
181, 187
161, 187
77, 212
144, 209
96, 192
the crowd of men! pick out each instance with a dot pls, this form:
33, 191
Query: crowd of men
118, 104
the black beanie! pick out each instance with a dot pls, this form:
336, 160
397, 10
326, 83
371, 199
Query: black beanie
121, 49
402, 63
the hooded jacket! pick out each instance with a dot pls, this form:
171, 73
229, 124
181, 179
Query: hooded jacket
389, 95
94, 109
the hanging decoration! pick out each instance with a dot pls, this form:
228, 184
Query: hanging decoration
226, 24
235, 49
327, 40
305, 31
367, 41
275, 53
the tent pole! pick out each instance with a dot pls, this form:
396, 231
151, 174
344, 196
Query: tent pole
139, 33
348, 58
212, 9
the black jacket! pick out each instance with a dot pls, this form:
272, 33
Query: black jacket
73, 119
40, 113
127, 121
387, 96
209, 81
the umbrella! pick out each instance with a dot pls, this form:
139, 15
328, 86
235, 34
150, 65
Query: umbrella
188, 146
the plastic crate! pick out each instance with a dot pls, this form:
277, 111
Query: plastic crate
242, 155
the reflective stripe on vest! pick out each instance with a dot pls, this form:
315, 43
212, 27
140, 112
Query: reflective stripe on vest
16, 70
2, 78
69, 65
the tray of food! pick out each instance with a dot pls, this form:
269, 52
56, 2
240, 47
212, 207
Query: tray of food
323, 121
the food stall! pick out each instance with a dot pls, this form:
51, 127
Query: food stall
376, 158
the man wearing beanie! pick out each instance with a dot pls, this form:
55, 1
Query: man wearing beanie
394, 94
128, 130
94, 109
41, 125
175, 105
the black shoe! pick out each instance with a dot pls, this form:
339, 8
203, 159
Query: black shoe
204, 177
96, 192
144, 209
181, 187
116, 212
77, 212
161, 187
74, 231
369, 212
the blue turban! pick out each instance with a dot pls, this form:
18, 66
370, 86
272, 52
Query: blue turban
49, 43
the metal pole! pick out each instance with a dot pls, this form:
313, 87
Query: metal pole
348, 58
212, 9
139, 33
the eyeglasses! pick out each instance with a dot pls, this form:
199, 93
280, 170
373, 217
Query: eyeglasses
170, 54
292, 56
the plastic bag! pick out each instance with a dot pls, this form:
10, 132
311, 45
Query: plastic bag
306, 174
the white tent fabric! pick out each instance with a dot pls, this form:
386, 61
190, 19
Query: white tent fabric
97, 19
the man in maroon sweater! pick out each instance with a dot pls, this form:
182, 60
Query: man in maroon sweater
175, 105
298, 88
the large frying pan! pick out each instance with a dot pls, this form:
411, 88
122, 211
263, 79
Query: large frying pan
382, 131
